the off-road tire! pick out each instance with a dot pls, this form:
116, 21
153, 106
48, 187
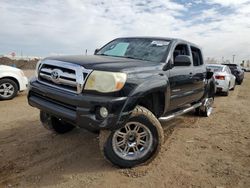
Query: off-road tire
14, 86
144, 116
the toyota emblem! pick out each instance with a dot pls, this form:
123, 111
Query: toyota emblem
55, 75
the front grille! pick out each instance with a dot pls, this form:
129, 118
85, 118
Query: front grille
63, 75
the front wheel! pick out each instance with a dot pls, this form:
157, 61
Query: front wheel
8, 89
137, 142
55, 124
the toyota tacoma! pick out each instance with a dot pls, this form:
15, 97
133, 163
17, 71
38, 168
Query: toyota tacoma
123, 92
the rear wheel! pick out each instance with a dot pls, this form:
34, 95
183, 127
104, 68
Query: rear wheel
206, 108
8, 89
137, 142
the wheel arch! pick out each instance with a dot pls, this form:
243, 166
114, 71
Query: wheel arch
13, 79
153, 95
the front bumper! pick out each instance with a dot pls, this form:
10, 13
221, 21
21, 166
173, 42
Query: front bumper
23, 84
78, 109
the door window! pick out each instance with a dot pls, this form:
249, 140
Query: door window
197, 57
181, 49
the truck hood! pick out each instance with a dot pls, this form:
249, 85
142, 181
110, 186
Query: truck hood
106, 63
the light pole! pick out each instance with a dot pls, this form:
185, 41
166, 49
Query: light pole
233, 58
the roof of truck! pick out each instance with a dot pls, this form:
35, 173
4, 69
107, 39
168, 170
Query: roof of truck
160, 38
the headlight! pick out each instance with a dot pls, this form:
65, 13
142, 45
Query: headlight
105, 82
37, 68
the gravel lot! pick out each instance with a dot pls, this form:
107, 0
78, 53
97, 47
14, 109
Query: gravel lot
198, 152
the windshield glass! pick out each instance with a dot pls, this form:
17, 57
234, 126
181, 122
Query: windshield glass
136, 48
214, 68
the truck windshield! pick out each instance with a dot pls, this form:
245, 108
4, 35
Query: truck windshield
136, 48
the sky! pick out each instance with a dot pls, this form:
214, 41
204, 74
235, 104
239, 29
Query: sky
49, 27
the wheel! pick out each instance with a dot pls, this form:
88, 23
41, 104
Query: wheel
206, 108
137, 142
8, 89
55, 124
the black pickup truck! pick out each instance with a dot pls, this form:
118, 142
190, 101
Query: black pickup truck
123, 91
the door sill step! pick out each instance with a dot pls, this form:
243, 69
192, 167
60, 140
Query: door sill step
180, 112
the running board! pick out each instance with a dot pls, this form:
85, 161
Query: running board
178, 113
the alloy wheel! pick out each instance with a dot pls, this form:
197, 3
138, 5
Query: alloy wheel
133, 141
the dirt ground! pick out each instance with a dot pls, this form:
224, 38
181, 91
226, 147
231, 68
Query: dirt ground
199, 152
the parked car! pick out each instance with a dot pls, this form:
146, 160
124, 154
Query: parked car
224, 79
12, 81
237, 72
124, 90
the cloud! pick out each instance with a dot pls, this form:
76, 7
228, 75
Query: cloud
71, 26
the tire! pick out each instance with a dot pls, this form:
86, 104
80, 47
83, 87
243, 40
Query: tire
206, 109
140, 139
55, 124
8, 89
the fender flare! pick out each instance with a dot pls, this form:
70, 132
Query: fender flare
158, 84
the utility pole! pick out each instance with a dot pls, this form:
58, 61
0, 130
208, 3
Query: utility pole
233, 58
222, 59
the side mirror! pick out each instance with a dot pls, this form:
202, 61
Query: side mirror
168, 65
182, 60
96, 51
209, 75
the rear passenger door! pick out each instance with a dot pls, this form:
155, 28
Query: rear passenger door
198, 74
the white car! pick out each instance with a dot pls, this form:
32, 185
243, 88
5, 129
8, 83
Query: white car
12, 81
224, 79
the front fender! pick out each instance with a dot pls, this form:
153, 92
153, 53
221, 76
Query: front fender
10, 74
159, 83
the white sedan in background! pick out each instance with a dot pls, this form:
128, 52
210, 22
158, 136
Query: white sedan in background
12, 81
224, 79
